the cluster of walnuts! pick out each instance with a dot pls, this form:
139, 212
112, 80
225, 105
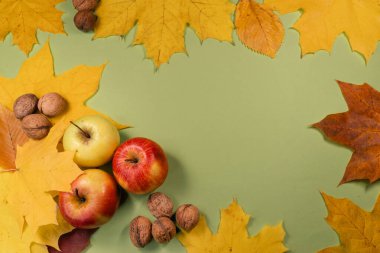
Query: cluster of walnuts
163, 229
33, 112
85, 19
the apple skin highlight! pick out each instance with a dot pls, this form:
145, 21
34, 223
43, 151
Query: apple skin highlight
93, 200
140, 165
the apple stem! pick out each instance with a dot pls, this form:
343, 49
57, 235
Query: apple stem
81, 199
132, 160
84, 132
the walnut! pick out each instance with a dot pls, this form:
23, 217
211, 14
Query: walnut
163, 230
85, 20
36, 126
140, 231
52, 104
25, 105
187, 216
83, 5
160, 205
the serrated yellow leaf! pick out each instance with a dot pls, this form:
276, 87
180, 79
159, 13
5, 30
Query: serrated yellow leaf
232, 235
23, 18
258, 27
323, 20
359, 230
161, 24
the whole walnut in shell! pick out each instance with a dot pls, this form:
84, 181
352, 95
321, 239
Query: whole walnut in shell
36, 126
82, 5
187, 216
52, 104
140, 231
163, 230
25, 105
160, 205
85, 20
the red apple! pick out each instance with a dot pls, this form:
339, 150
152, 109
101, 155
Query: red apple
140, 165
93, 200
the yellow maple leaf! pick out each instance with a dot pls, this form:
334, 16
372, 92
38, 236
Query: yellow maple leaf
359, 230
258, 27
161, 24
37, 76
323, 20
232, 235
22, 18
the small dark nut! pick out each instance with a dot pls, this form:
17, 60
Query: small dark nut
85, 20
36, 126
163, 230
187, 216
140, 231
25, 105
52, 104
160, 205
84, 5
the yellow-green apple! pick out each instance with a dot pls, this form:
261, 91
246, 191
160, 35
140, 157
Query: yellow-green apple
140, 165
93, 199
94, 140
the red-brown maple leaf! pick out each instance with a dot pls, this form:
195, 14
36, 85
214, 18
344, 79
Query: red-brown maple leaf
358, 129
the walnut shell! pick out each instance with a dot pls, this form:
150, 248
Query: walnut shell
25, 105
52, 104
85, 20
160, 205
83, 5
36, 126
140, 231
163, 230
187, 216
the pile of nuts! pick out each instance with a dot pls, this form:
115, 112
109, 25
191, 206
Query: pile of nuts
33, 112
163, 229
85, 19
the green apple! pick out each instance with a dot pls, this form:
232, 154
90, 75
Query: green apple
94, 140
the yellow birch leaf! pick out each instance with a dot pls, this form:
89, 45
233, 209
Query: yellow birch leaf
23, 18
359, 230
323, 20
11, 136
232, 235
37, 76
258, 27
162, 23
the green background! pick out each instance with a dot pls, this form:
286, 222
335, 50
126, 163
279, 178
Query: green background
234, 124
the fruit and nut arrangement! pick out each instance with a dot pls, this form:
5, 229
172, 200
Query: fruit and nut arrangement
85, 19
163, 229
139, 166
34, 112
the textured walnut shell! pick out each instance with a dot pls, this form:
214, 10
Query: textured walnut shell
25, 105
187, 216
163, 230
85, 20
36, 126
140, 231
85, 5
160, 205
52, 104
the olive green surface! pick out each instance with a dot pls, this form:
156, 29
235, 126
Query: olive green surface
234, 124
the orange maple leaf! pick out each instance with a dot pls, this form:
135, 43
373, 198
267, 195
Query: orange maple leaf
358, 230
358, 129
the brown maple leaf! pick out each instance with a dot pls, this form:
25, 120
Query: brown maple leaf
358, 129
11, 136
